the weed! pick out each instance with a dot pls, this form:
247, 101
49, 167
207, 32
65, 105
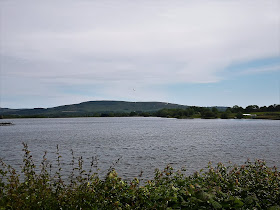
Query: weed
249, 186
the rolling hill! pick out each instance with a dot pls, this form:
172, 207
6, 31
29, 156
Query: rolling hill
90, 108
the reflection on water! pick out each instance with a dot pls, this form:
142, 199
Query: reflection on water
143, 144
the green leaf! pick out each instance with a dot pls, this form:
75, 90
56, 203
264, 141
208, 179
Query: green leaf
203, 196
238, 203
249, 199
215, 204
274, 208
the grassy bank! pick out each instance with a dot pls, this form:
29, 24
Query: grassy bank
267, 115
249, 186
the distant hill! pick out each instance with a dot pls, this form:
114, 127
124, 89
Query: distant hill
90, 108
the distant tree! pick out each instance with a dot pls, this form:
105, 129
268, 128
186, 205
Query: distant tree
145, 114
270, 108
236, 109
104, 115
111, 114
132, 114
208, 114
224, 115
229, 109
180, 112
215, 110
191, 111
162, 113
252, 108
239, 115
263, 109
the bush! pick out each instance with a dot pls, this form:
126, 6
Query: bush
208, 114
224, 115
239, 115
249, 186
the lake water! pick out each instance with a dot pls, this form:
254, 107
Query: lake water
143, 144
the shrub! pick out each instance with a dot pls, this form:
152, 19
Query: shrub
224, 115
249, 186
239, 115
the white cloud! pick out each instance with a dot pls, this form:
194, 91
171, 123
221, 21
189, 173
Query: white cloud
261, 69
140, 43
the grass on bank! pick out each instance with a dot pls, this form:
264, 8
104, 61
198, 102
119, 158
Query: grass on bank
267, 115
249, 186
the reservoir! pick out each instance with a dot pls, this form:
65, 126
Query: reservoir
135, 144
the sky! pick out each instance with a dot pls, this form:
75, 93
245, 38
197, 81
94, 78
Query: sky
195, 52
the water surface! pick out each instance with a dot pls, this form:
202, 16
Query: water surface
143, 144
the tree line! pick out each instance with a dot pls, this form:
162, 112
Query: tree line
255, 108
180, 113
199, 112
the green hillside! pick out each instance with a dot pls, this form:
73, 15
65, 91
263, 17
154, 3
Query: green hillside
90, 108
116, 106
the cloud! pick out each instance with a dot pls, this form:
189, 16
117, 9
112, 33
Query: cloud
262, 69
115, 45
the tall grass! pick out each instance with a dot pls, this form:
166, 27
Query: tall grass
249, 186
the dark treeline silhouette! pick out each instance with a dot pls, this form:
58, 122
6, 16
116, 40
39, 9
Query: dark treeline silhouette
255, 108
213, 112
199, 112
264, 112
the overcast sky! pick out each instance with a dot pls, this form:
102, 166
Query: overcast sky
195, 52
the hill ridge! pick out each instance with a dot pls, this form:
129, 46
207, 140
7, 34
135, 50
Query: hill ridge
92, 107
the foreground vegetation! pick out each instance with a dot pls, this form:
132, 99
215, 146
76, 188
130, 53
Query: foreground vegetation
249, 186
